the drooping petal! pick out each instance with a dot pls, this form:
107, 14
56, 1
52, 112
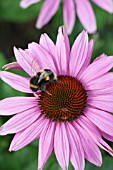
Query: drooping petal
86, 15
13, 65
78, 54
28, 135
76, 150
24, 60
105, 4
62, 51
69, 15
20, 121
98, 68
94, 133
91, 150
49, 8
102, 119
61, 145
26, 3
42, 56
107, 136
19, 83
46, 143
16, 105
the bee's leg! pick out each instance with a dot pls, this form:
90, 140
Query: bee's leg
43, 88
56, 81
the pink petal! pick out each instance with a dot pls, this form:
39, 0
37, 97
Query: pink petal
20, 121
62, 51
94, 133
97, 84
61, 146
26, 3
91, 151
69, 15
105, 4
78, 54
19, 83
47, 44
46, 143
76, 150
107, 136
103, 102
13, 65
24, 60
28, 135
86, 15
103, 120
17, 105
88, 57
43, 58
97, 69
48, 10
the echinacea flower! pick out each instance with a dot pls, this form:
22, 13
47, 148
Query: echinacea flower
83, 9
73, 120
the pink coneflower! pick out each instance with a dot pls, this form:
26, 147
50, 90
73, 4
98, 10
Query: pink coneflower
83, 9
74, 118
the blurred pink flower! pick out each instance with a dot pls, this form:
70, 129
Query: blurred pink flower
72, 121
83, 9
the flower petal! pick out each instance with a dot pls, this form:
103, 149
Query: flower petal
88, 57
107, 136
43, 58
78, 54
98, 68
46, 143
48, 44
102, 119
24, 60
105, 4
97, 84
26, 3
103, 102
69, 15
61, 145
28, 135
19, 83
13, 65
94, 133
62, 51
49, 8
20, 121
14, 105
91, 151
76, 151
86, 15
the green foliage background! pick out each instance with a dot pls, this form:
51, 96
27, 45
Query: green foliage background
17, 28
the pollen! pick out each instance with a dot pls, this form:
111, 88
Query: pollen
67, 101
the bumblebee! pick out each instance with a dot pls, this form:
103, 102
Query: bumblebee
41, 79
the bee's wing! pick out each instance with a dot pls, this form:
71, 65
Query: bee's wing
35, 68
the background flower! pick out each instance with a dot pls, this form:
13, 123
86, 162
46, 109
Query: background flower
71, 140
83, 9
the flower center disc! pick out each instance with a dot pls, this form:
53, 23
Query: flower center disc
67, 100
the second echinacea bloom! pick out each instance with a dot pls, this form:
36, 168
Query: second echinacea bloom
82, 8
74, 116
